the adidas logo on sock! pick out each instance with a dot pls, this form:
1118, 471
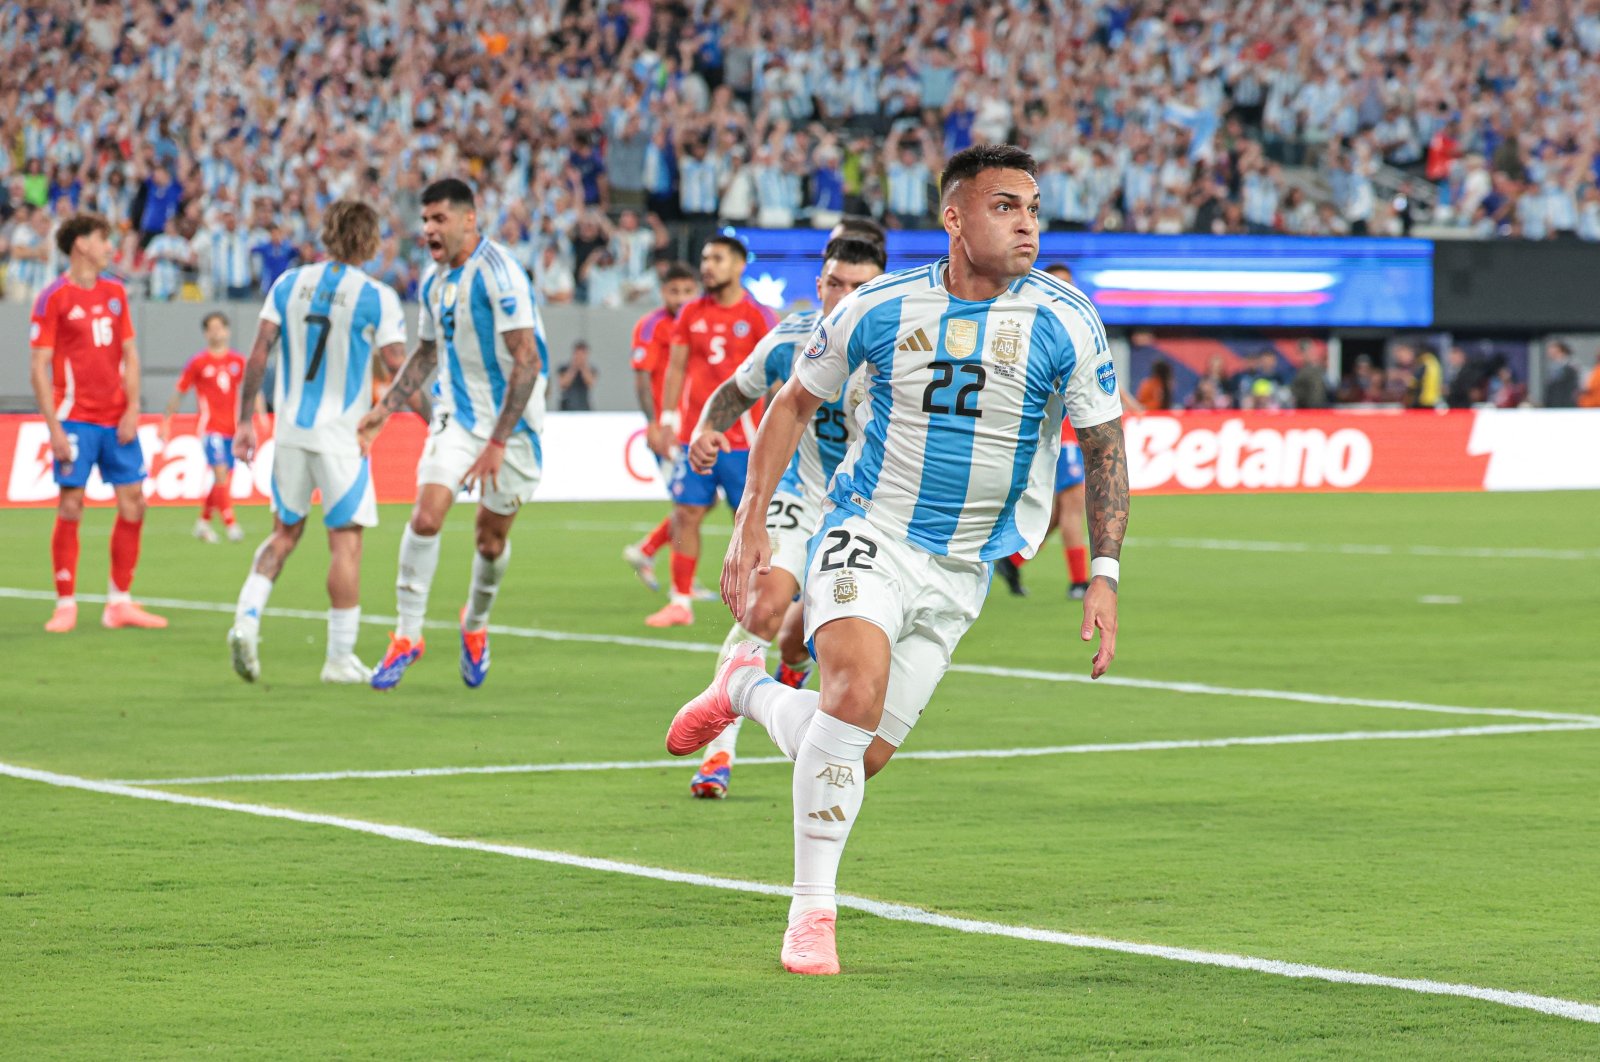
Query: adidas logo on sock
917, 340
833, 814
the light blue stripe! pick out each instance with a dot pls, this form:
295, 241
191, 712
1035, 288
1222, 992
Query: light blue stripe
1006, 539
286, 514
369, 309
321, 302
280, 301
780, 363
460, 399
483, 327
947, 453
1051, 286
344, 510
873, 341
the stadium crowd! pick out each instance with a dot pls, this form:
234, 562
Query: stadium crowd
215, 134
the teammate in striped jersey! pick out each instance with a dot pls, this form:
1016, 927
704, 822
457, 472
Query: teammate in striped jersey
327, 322
794, 510
477, 305
972, 363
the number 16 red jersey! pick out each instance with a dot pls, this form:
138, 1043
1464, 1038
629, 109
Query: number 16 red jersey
719, 338
85, 329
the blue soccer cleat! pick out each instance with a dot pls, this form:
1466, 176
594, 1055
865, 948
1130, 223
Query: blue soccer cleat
711, 780
403, 652
474, 653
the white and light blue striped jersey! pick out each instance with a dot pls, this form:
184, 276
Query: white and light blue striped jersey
964, 406
833, 429
467, 311
332, 318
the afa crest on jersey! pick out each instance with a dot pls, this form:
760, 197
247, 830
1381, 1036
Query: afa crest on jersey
1106, 375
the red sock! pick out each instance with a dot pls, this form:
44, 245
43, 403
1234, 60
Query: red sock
657, 538
64, 555
683, 574
1018, 559
1078, 563
210, 504
223, 501
124, 553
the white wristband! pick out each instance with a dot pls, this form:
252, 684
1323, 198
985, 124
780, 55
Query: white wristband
670, 420
1109, 567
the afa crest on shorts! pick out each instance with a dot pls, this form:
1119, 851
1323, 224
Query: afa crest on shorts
844, 588
1106, 374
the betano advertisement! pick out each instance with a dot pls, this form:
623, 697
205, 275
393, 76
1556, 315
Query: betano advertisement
602, 456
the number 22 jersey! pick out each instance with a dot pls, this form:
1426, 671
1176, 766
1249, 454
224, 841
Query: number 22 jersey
964, 407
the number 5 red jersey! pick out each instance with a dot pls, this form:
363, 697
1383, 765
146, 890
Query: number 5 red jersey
719, 338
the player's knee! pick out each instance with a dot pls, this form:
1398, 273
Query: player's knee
70, 507
425, 523
131, 506
491, 544
856, 699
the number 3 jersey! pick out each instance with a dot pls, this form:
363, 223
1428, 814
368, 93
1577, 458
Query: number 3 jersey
332, 319
85, 329
964, 405
831, 432
467, 311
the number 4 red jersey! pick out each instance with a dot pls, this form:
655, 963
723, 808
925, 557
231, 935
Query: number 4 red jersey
719, 338
85, 329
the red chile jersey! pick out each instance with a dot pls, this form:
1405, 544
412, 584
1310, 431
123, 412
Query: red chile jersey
85, 328
719, 339
652, 347
215, 379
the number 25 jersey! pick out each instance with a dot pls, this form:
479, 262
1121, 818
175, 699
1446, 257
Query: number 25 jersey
965, 402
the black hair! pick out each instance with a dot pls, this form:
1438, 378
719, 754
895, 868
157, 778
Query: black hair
847, 250
451, 190
76, 227
739, 249
861, 226
678, 271
214, 315
1058, 267
966, 164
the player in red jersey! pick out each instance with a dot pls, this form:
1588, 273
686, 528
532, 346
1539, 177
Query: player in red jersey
85, 371
710, 340
652, 349
214, 376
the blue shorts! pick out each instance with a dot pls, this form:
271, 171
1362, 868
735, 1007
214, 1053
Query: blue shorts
219, 449
692, 488
96, 445
1069, 466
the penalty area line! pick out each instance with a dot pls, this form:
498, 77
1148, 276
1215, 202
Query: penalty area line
1198, 688
1570, 1009
914, 754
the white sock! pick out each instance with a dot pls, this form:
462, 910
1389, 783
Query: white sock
118, 597
419, 556
725, 741
686, 600
252, 600
786, 713
486, 575
343, 623
830, 779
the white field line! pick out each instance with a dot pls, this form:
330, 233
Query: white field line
1236, 545
914, 754
966, 669
1562, 1008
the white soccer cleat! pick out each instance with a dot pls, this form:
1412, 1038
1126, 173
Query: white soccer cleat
346, 670
644, 567
235, 533
202, 531
244, 645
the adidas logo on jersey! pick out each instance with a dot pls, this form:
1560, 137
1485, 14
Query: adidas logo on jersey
917, 340
76, 314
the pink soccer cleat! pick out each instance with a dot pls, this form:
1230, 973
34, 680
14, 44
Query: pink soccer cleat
809, 946
120, 614
699, 722
63, 619
673, 614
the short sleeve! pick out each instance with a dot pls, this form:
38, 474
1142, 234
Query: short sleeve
679, 335
42, 326
751, 375
1090, 389
186, 378
640, 357
125, 318
391, 318
509, 292
426, 332
824, 364
277, 298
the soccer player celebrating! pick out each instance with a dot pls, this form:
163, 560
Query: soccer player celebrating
85, 371
327, 321
478, 304
652, 347
796, 507
972, 363
710, 339
214, 376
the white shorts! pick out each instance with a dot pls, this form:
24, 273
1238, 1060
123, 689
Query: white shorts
925, 604
791, 521
452, 449
345, 481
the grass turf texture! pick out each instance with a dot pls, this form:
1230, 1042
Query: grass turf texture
143, 930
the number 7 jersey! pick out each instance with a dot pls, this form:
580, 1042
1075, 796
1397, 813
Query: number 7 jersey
964, 405
332, 318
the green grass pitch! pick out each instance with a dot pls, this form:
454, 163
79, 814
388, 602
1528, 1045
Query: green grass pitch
135, 929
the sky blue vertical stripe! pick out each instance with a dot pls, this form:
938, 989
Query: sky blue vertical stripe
321, 302
460, 399
483, 327
369, 309
872, 340
344, 510
280, 300
1045, 339
947, 454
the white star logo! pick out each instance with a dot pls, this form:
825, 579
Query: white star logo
768, 290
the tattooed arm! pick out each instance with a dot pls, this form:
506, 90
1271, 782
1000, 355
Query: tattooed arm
1105, 462
524, 352
407, 384
725, 406
255, 370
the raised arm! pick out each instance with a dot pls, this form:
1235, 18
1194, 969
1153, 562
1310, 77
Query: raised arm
1105, 461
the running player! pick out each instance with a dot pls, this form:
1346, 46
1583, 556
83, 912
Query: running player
710, 339
214, 376
794, 511
85, 373
951, 472
478, 303
327, 322
652, 347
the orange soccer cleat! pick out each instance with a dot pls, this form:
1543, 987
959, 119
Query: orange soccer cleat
699, 722
809, 946
675, 614
126, 613
64, 618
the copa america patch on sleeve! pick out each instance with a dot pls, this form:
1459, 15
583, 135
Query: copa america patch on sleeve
819, 342
1106, 374
508, 305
